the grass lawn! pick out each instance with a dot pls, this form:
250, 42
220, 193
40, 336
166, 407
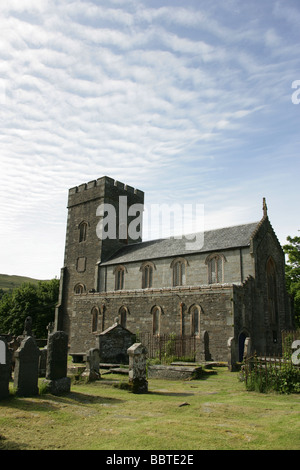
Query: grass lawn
215, 413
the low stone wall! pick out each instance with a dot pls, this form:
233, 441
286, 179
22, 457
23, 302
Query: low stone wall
174, 372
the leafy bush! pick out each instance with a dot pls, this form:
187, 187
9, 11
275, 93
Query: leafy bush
265, 377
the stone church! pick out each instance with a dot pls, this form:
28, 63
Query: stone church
230, 289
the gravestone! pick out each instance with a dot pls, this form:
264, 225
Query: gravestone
92, 365
175, 372
5, 368
247, 347
27, 368
43, 362
232, 359
137, 368
57, 363
113, 344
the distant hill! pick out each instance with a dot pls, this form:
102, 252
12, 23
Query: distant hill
10, 282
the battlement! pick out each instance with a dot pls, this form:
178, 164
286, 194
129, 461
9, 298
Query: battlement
104, 186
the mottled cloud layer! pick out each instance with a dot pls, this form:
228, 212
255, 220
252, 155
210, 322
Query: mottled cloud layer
187, 101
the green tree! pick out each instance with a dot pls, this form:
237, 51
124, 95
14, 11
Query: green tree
292, 250
37, 301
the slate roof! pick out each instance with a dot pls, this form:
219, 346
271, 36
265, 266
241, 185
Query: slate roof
214, 240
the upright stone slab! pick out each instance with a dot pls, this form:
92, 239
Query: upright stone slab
232, 354
92, 371
26, 371
113, 344
137, 368
5, 368
57, 363
43, 362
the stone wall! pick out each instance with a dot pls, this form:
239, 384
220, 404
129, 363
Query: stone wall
265, 247
237, 267
216, 314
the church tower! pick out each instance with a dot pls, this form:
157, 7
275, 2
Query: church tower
97, 226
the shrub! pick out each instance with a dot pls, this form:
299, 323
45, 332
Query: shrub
266, 376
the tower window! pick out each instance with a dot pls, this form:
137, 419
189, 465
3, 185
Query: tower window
79, 289
82, 231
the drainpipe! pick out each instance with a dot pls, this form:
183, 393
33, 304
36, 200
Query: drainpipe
241, 266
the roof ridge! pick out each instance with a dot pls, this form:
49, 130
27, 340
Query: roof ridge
173, 246
193, 233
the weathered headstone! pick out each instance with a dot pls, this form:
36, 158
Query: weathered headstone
232, 354
92, 371
113, 344
57, 363
247, 347
137, 368
5, 368
43, 362
27, 368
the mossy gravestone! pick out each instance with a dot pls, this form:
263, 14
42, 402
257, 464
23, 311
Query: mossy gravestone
26, 371
137, 368
57, 363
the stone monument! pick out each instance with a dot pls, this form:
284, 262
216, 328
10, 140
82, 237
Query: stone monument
137, 368
57, 363
26, 371
113, 344
92, 371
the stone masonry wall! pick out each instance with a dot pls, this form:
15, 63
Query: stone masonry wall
216, 317
238, 265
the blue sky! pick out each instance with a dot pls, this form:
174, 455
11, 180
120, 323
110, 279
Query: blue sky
189, 101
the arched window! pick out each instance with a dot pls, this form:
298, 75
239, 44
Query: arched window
95, 316
147, 269
215, 265
156, 313
195, 320
272, 291
123, 316
179, 271
79, 289
82, 231
119, 273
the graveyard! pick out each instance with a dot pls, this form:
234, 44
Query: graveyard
215, 413
52, 400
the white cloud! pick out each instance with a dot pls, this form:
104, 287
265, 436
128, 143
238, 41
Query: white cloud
177, 100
